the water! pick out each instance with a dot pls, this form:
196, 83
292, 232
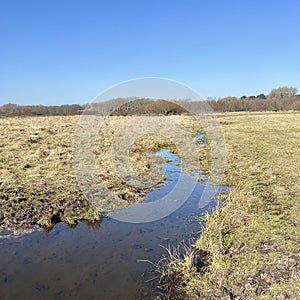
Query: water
97, 262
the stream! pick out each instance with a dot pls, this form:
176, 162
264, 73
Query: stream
99, 262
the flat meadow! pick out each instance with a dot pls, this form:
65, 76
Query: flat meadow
38, 185
250, 248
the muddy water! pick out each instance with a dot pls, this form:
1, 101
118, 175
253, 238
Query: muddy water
97, 262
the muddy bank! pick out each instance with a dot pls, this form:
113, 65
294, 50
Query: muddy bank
113, 260
38, 186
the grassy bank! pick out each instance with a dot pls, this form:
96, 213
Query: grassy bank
38, 186
251, 247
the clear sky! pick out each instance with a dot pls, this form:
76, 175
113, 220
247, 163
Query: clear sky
61, 51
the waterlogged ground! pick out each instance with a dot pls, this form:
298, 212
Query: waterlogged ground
251, 247
38, 184
99, 262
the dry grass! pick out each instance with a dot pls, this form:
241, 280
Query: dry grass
251, 247
38, 185
176, 270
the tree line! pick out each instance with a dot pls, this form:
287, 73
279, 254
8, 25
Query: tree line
11, 109
280, 99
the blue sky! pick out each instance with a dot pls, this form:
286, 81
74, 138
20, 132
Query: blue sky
57, 52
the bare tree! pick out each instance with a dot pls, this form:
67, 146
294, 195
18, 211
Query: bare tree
283, 92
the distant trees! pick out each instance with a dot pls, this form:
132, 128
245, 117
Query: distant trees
162, 107
283, 92
282, 98
279, 99
39, 110
261, 96
8, 109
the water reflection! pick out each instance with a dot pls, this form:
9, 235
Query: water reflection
97, 262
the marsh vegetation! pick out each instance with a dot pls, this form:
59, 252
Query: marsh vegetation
38, 186
250, 248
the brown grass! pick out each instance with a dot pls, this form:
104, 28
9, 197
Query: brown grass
38, 186
251, 248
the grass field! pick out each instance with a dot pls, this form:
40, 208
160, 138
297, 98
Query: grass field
251, 247
38, 185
